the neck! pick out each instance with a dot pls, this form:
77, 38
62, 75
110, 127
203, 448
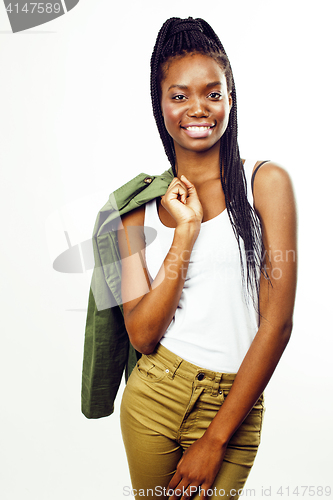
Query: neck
198, 167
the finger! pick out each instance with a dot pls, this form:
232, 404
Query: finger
178, 486
186, 181
204, 492
190, 187
190, 491
181, 193
179, 491
175, 493
178, 191
175, 182
176, 478
180, 185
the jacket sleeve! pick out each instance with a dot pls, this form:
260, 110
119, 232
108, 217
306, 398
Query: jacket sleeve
106, 342
105, 357
108, 353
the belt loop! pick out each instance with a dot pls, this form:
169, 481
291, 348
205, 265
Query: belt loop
218, 377
175, 367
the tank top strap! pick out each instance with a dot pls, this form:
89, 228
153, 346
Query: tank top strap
248, 168
254, 173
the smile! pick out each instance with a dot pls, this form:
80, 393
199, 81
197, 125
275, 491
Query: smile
197, 128
198, 131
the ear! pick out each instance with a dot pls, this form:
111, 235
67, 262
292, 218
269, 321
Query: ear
230, 100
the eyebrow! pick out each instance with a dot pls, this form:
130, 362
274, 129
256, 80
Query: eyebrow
185, 87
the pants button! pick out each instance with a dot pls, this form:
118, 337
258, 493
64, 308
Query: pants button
200, 376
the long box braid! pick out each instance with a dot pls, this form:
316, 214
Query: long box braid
179, 37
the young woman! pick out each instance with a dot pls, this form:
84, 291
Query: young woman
209, 302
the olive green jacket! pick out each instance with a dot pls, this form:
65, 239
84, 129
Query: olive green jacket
107, 349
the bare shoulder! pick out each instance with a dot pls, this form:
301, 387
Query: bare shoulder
272, 187
270, 172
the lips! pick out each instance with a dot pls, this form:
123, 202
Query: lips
197, 130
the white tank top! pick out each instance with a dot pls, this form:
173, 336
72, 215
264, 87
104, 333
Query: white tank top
213, 325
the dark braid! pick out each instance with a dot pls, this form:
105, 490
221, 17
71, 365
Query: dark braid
179, 37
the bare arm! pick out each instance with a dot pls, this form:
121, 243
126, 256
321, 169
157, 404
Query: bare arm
147, 315
274, 202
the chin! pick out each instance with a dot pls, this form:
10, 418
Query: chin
202, 148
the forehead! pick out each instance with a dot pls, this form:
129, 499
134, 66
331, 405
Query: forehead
181, 69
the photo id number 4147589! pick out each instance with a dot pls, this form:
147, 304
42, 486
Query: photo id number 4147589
299, 491
34, 7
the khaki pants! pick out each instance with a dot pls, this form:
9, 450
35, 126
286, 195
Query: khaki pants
168, 404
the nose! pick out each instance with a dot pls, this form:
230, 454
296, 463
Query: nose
198, 108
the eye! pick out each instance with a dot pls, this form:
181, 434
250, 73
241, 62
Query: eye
178, 97
216, 96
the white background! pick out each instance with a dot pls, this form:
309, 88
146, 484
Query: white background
75, 124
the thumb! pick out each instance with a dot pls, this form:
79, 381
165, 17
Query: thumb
187, 182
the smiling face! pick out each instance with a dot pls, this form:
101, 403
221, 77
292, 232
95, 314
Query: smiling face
195, 102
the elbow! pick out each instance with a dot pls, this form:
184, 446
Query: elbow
143, 343
285, 332
143, 347
279, 333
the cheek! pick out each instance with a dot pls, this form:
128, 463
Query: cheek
171, 116
222, 115
222, 112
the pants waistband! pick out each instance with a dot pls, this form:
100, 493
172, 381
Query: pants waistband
175, 364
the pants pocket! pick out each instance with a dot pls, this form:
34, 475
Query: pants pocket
149, 371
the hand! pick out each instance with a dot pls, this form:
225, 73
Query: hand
182, 202
198, 467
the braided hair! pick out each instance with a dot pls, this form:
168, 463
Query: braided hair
179, 37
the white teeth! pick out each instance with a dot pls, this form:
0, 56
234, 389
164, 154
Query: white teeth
197, 128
